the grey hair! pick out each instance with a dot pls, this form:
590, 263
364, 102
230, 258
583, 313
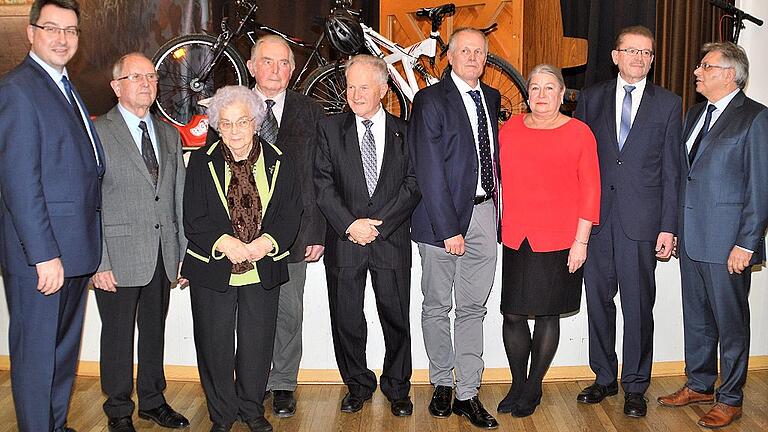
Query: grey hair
117, 68
544, 68
378, 65
452, 40
276, 39
733, 56
231, 95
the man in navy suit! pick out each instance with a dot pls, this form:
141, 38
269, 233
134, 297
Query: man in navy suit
454, 133
723, 217
50, 169
637, 126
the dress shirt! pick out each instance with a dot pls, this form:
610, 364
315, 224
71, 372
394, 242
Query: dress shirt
278, 107
637, 96
56, 77
719, 108
469, 106
132, 121
378, 129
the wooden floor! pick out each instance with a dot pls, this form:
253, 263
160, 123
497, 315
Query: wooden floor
319, 410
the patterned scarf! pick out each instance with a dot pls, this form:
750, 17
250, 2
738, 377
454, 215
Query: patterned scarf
243, 200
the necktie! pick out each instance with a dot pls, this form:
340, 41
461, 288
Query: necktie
148, 152
268, 130
368, 153
484, 144
626, 115
73, 102
702, 133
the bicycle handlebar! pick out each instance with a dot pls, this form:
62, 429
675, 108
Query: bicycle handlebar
738, 13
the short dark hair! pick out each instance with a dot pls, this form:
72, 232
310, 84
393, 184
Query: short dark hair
635, 30
37, 6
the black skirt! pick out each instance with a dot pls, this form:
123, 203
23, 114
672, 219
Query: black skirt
538, 283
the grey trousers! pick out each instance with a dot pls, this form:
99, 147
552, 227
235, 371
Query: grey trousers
468, 279
286, 354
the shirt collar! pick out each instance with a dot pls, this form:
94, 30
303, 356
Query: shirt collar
639, 86
55, 75
724, 101
279, 98
462, 85
132, 120
377, 118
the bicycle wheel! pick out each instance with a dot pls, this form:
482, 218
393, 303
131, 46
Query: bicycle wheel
328, 86
180, 64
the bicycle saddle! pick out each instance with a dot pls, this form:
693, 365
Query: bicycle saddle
438, 12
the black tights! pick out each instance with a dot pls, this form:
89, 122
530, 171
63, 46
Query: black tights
526, 385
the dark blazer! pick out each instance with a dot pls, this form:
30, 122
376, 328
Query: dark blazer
641, 181
445, 160
206, 217
297, 137
49, 178
343, 196
723, 198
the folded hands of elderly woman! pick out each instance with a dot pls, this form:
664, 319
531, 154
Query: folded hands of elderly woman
237, 251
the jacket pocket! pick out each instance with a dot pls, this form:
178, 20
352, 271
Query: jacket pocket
61, 208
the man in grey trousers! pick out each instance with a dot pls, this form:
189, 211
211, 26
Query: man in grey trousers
143, 243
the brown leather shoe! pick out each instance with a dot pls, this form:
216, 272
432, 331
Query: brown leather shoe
720, 415
685, 396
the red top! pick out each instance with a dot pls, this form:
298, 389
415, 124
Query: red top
549, 179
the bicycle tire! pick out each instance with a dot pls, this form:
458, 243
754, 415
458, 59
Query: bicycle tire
179, 62
502, 76
327, 85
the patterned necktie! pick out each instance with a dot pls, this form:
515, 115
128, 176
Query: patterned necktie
626, 115
368, 154
484, 144
73, 102
268, 130
148, 152
702, 133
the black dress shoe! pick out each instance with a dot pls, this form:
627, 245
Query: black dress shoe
283, 403
597, 392
120, 424
218, 427
165, 416
353, 403
402, 407
475, 412
259, 424
635, 405
440, 406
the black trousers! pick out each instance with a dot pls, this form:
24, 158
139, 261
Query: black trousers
234, 379
346, 293
617, 263
121, 311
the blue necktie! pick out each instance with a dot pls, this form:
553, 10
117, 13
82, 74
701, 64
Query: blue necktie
626, 115
702, 133
483, 144
73, 101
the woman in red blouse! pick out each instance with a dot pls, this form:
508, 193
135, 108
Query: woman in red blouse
550, 184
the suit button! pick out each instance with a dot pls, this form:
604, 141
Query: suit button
613, 187
619, 161
370, 204
98, 209
157, 198
157, 226
689, 178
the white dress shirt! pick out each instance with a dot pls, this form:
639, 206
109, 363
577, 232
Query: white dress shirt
637, 96
469, 106
378, 129
132, 121
279, 105
719, 108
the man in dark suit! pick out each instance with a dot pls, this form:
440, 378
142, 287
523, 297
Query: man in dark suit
366, 189
454, 132
723, 217
143, 245
637, 126
291, 125
50, 227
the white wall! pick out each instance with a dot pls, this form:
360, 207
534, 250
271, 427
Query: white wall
318, 351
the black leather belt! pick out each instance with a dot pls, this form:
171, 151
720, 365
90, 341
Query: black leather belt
482, 198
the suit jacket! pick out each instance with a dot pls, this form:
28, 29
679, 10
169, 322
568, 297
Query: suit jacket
445, 160
49, 178
640, 182
297, 137
723, 199
206, 217
342, 194
137, 216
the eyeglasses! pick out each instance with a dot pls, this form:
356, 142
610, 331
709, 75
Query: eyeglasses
707, 66
243, 123
134, 77
70, 32
645, 53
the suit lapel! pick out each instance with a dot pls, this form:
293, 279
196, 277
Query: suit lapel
643, 114
731, 112
391, 146
216, 169
352, 148
287, 121
164, 143
124, 139
609, 113
456, 101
